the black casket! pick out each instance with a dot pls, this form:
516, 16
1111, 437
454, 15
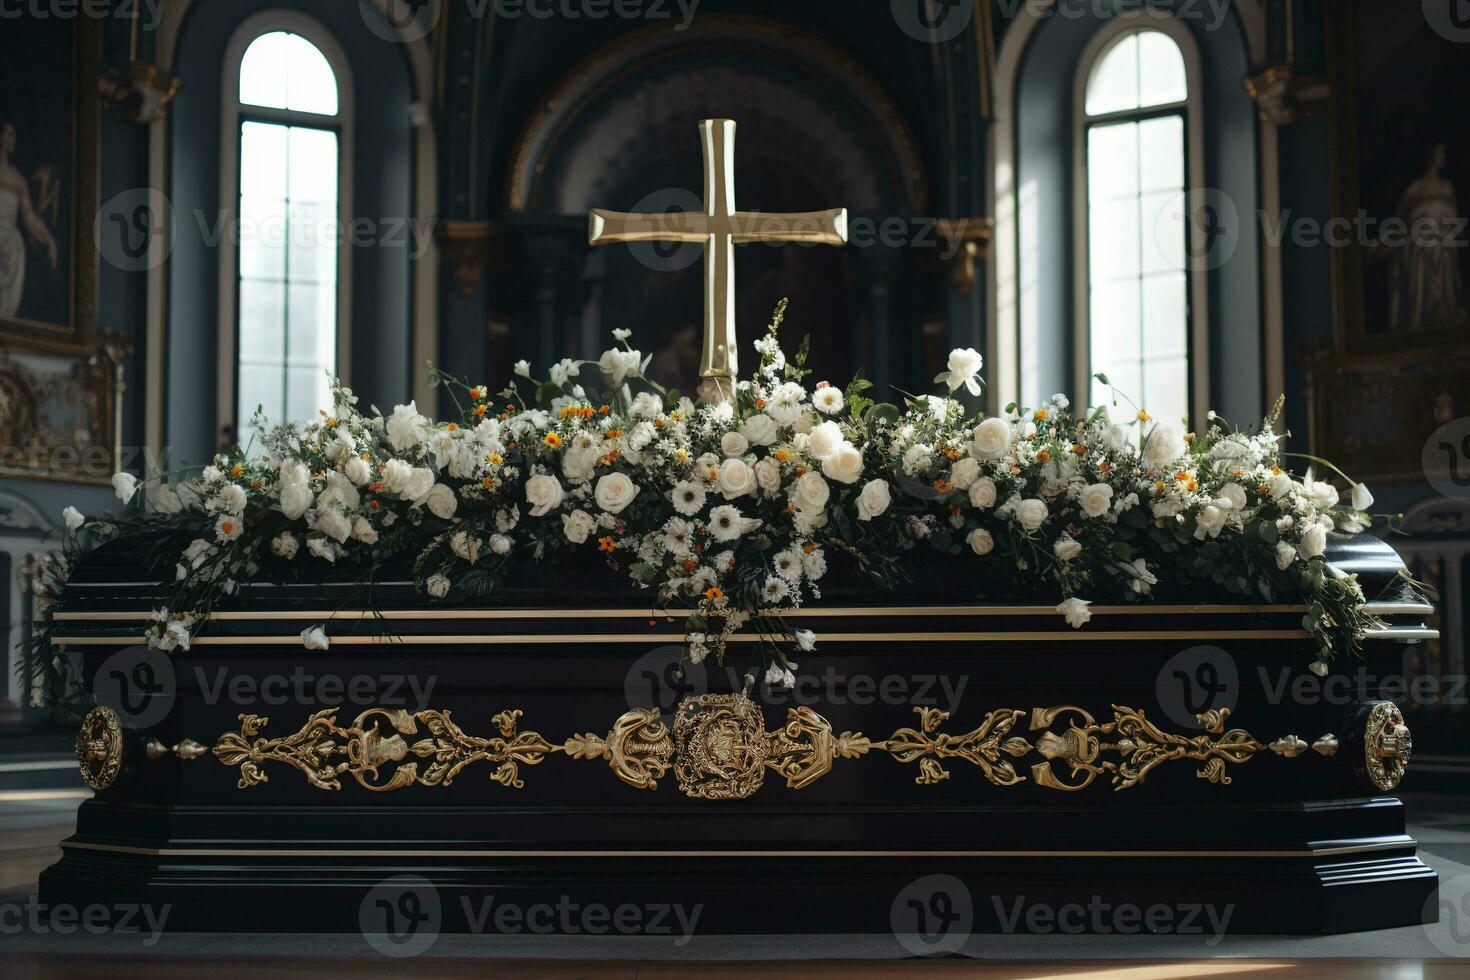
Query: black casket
943, 765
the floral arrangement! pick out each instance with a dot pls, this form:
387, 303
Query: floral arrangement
732, 511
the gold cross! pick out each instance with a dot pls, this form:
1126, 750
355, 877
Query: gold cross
720, 228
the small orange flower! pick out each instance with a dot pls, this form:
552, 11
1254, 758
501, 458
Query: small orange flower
1263, 489
488, 483
1041, 415
1161, 486
607, 543
1044, 456
954, 511
614, 434
227, 526
1143, 416
552, 440
809, 547
782, 455
690, 564
713, 593
1104, 466
510, 409
480, 410
236, 471
256, 484
494, 459
452, 427
604, 409
376, 486
1192, 485
374, 504
760, 403
943, 485
1079, 449
477, 392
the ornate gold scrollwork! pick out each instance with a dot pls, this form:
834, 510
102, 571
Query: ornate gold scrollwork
719, 748
1387, 745
99, 747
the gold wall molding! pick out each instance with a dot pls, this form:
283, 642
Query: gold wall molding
720, 749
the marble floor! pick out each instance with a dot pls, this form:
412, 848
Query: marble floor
39, 793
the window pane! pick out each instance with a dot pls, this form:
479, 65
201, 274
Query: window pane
1161, 164
1113, 86
286, 71
1161, 78
1144, 69
1137, 258
289, 250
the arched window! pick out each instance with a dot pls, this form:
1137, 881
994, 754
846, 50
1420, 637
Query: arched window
1140, 300
284, 273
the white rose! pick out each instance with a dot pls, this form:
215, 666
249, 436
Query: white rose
1285, 555
333, 524
646, 405
1096, 499
285, 545
543, 493
1076, 612
578, 463
844, 464
1210, 522
982, 493
733, 444
980, 541
396, 474
992, 438
73, 518
811, 492
1232, 497
964, 364
420, 482
124, 485
315, 638
230, 499
1323, 494
465, 545
768, 475
759, 430
364, 531
500, 544
736, 478
441, 501
873, 500
437, 586
358, 471
166, 500
1362, 498
827, 400
294, 473
615, 492
578, 525
619, 364
1280, 485
405, 427
1164, 445
1031, 513
1314, 541
964, 474
1067, 548
824, 440
296, 498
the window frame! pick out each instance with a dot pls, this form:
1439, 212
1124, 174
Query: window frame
1197, 286
232, 116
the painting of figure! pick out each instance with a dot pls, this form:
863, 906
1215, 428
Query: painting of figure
21, 220
1426, 288
47, 185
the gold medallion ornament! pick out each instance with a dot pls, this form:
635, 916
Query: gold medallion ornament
720, 228
99, 747
720, 749
1387, 745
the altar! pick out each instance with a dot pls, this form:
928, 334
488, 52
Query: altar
785, 661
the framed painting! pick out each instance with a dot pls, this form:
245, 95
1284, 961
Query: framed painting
59, 380
1398, 363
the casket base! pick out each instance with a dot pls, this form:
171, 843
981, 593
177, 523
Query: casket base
1202, 888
